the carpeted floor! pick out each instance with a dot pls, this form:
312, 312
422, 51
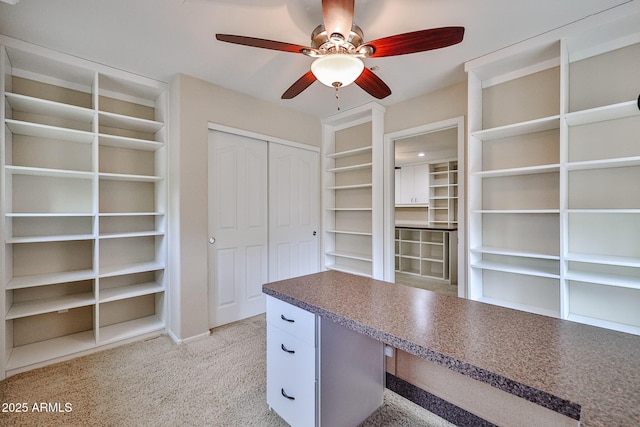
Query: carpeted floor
216, 381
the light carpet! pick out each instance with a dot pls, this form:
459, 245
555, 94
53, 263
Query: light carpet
216, 381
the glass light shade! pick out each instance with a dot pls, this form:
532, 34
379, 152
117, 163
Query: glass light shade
337, 69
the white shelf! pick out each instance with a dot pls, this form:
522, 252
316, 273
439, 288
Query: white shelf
129, 177
349, 153
130, 123
604, 324
350, 168
522, 307
355, 233
605, 163
616, 280
49, 108
49, 279
49, 132
349, 209
517, 211
43, 239
523, 128
510, 252
603, 259
600, 114
350, 255
49, 215
350, 187
130, 329
131, 234
32, 308
517, 269
125, 214
121, 270
345, 269
43, 351
529, 170
52, 173
130, 291
133, 143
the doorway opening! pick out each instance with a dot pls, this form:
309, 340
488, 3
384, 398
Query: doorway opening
424, 207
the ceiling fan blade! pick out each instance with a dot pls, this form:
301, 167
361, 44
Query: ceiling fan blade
262, 43
373, 84
301, 84
417, 41
338, 16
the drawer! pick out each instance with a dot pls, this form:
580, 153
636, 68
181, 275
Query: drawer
291, 319
291, 377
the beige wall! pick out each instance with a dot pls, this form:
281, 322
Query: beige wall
195, 103
443, 104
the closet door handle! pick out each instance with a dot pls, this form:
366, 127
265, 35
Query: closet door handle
285, 349
286, 320
286, 395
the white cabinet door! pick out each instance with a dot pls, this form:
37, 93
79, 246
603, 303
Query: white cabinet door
238, 223
421, 183
414, 185
294, 208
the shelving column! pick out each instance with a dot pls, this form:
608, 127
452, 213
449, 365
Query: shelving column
514, 184
352, 201
602, 215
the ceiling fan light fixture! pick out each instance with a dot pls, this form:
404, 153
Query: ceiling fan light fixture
337, 69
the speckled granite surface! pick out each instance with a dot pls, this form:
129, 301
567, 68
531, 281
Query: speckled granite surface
583, 372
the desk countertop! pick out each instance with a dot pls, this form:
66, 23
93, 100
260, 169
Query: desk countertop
584, 372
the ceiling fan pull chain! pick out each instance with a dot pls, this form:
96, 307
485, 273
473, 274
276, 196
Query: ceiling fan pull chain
338, 96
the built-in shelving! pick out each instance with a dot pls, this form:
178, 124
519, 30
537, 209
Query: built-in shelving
553, 194
443, 193
352, 201
429, 253
83, 164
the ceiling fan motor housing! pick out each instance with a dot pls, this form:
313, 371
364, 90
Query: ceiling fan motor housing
328, 43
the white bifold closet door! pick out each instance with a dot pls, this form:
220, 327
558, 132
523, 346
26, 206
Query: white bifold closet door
263, 212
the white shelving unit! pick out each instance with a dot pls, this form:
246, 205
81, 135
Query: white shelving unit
554, 203
443, 193
352, 191
83, 162
429, 253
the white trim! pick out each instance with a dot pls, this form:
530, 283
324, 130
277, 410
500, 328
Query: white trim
263, 137
198, 337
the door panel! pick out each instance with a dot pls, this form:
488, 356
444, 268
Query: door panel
294, 212
238, 222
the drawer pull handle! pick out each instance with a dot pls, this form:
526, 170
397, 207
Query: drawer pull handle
286, 349
286, 395
285, 319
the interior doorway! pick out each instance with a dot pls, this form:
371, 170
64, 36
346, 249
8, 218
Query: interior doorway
424, 238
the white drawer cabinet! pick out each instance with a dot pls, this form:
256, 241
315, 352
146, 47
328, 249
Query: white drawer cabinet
320, 373
291, 363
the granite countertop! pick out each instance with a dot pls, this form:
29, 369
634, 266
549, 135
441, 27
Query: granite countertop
584, 372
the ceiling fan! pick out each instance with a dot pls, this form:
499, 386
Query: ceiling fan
338, 48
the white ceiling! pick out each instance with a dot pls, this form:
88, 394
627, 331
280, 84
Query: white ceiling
159, 38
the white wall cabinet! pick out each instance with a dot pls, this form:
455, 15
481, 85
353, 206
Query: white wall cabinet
553, 172
83, 206
414, 185
352, 199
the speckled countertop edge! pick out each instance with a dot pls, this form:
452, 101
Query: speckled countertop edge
539, 397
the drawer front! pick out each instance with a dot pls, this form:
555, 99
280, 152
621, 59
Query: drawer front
291, 319
291, 377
